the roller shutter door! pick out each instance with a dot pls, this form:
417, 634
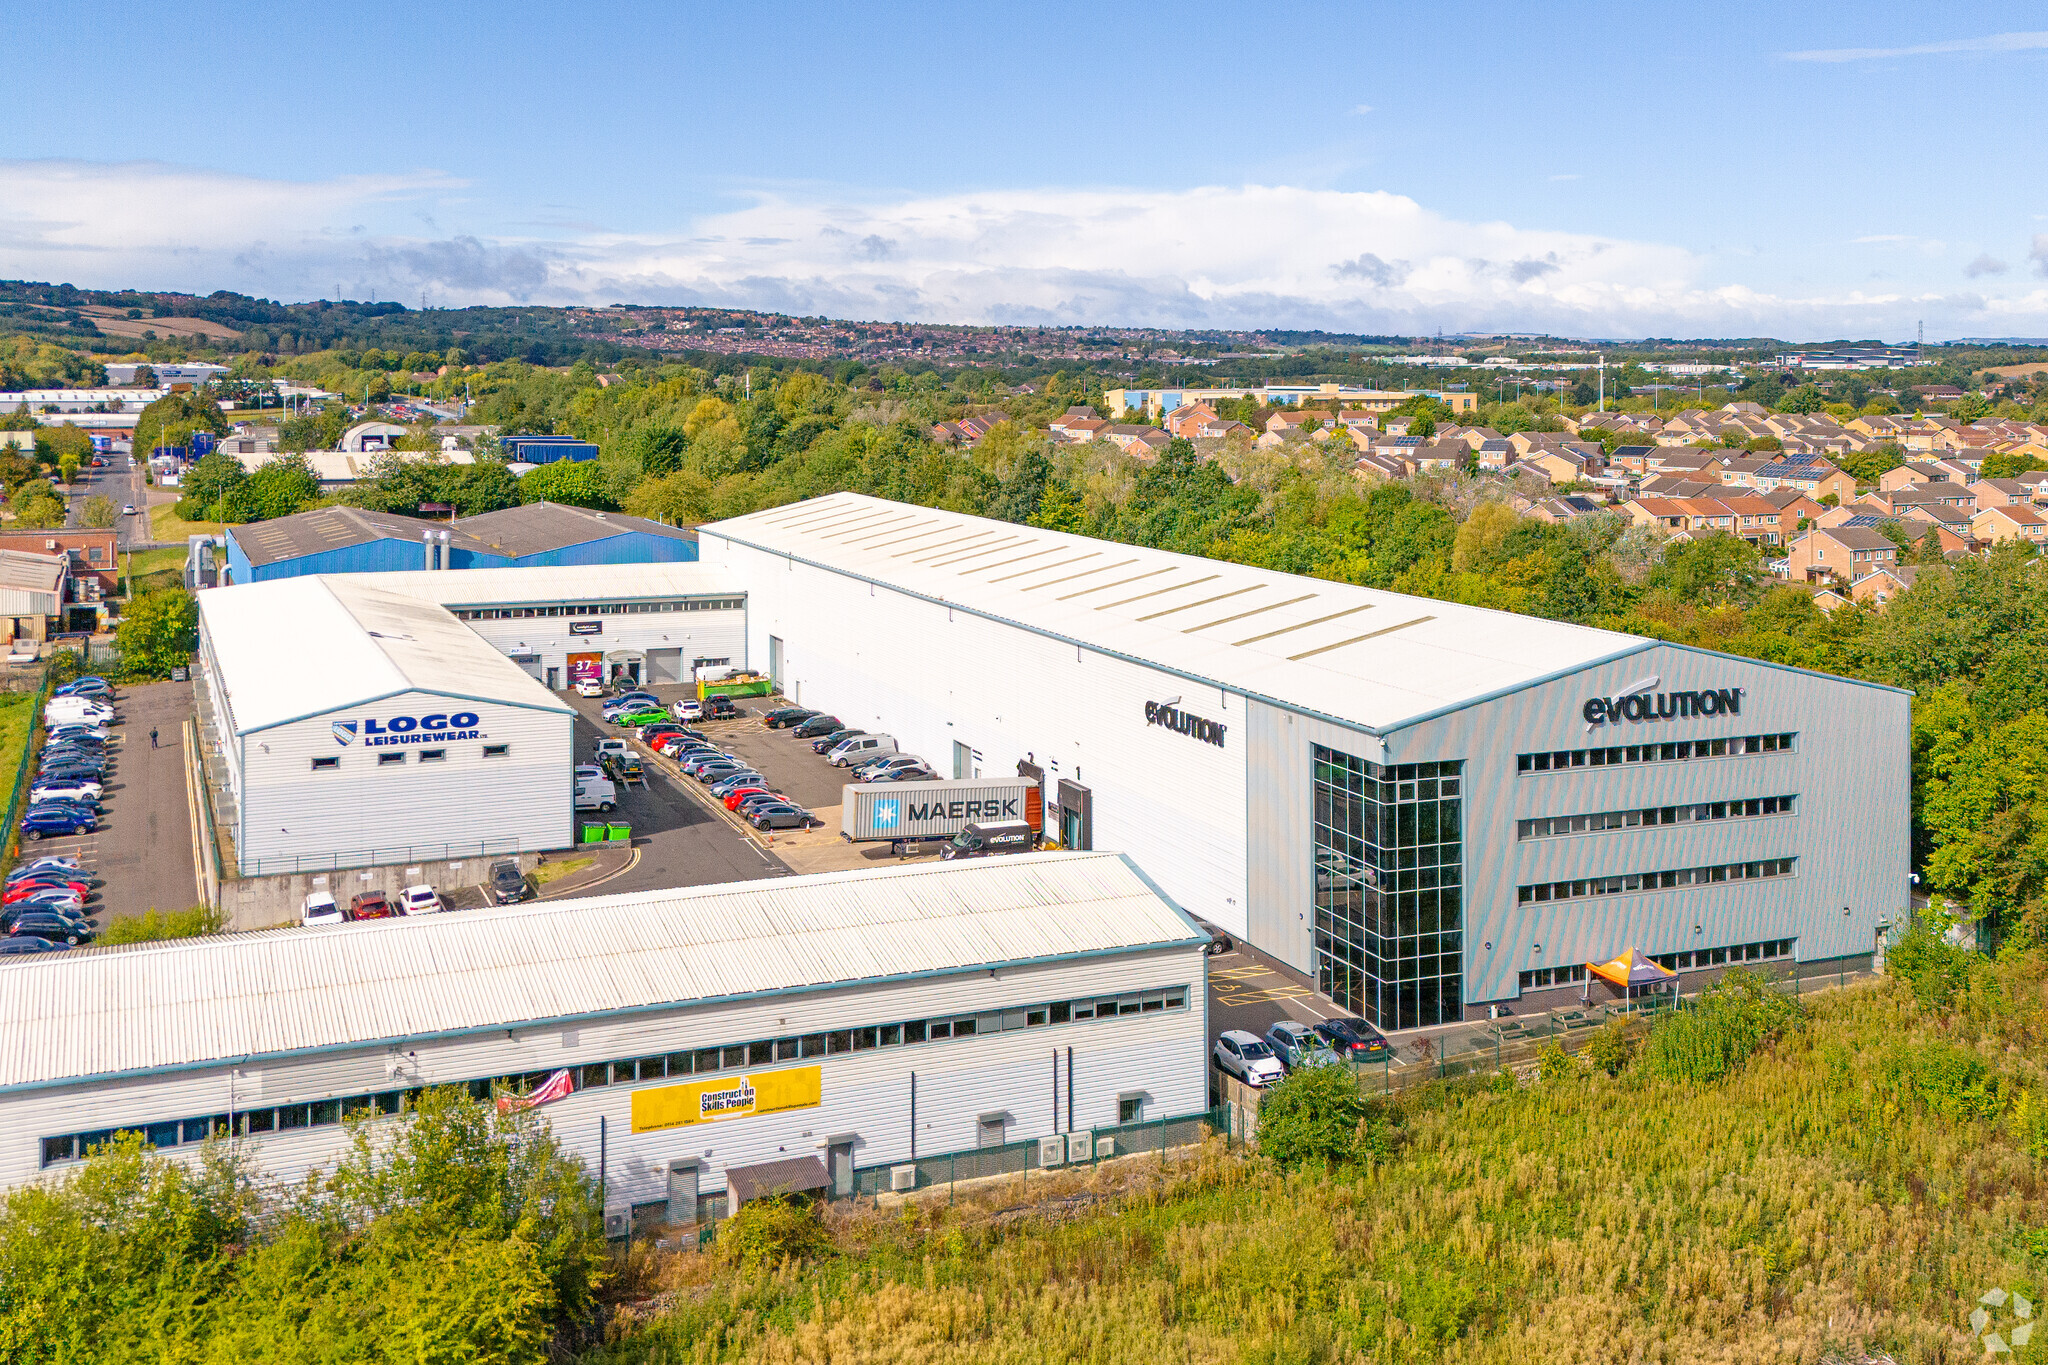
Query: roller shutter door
664, 665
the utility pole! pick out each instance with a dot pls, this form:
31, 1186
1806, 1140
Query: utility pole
1603, 381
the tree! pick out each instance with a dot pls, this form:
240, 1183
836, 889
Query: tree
158, 632
1868, 466
67, 468
578, 483
1970, 407
1805, 398
681, 498
2009, 464
1316, 1115
1423, 427
1709, 570
277, 489
98, 512
36, 504
207, 486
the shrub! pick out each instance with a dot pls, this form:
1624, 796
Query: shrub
1731, 1020
1315, 1114
767, 1232
1950, 1081
155, 925
1932, 968
1555, 1064
1611, 1048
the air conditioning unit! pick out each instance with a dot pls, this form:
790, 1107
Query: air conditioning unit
618, 1224
1080, 1146
903, 1178
1052, 1151
1105, 1147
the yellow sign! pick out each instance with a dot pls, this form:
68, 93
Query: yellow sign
729, 1097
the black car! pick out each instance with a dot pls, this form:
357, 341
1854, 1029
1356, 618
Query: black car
825, 744
784, 716
1353, 1040
53, 928
508, 884
815, 726
28, 947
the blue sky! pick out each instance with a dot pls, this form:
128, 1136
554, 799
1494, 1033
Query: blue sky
1595, 170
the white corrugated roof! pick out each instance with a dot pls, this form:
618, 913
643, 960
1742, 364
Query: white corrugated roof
564, 583
1374, 658
298, 647
66, 1017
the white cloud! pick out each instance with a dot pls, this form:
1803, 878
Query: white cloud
1985, 264
1997, 42
1569, 175
1361, 108
1216, 256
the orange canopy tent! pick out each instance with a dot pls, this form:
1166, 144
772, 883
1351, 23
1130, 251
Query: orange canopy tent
1632, 969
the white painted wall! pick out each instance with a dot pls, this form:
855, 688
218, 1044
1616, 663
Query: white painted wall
897, 665
699, 634
361, 812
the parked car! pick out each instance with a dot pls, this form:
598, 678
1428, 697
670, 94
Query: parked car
1247, 1057
749, 803
1297, 1045
779, 815
48, 862
50, 824
79, 790
882, 767
16, 888
419, 900
745, 777
709, 772
825, 744
98, 688
861, 749
54, 928
629, 701
585, 771
673, 744
29, 947
633, 720
915, 772
371, 905
735, 795
689, 708
55, 899
608, 745
1354, 1040
589, 687
508, 883
320, 909
784, 716
718, 706
817, 725
693, 764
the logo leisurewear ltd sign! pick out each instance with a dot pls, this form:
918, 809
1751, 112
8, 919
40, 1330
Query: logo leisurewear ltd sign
1194, 727
429, 729
1640, 706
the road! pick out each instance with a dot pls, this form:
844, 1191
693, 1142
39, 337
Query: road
119, 482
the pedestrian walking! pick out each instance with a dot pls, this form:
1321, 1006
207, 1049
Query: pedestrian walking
152, 736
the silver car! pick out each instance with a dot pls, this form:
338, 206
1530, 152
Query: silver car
1247, 1057
1297, 1045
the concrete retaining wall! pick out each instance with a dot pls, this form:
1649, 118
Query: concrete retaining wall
266, 902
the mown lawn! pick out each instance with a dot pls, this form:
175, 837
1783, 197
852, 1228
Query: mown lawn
166, 524
1858, 1184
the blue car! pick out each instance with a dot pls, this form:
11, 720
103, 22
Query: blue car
51, 824
29, 947
97, 688
724, 786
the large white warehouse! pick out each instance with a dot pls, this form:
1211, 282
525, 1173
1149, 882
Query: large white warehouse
1432, 807
359, 725
807, 1028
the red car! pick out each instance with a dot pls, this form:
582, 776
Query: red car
734, 797
33, 885
371, 905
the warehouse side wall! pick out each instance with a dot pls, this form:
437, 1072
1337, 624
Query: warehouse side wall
360, 809
935, 678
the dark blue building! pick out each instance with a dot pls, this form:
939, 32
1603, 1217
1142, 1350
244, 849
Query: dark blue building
537, 535
545, 449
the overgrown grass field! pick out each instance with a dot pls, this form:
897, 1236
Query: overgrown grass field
1857, 1181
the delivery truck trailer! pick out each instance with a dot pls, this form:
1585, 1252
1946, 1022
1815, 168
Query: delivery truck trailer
901, 812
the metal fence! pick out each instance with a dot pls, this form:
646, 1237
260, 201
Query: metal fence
1078, 1149
21, 768
408, 854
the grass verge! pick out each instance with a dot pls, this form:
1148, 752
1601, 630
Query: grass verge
166, 524
554, 872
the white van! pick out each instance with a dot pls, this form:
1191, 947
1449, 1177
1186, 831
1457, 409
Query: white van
596, 793
860, 749
76, 708
717, 672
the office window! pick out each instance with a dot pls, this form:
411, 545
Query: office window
433, 755
322, 764
1584, 888
1679, 751
1389, 895
384, 760
1130, 1109
1558, 826
497, 750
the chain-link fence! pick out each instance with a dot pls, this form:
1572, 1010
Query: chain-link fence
19, 793
1056, 1151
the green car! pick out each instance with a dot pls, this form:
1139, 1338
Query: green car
638, 718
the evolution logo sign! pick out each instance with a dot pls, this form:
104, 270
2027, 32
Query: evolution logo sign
1721, 701
1194, 727
432, 729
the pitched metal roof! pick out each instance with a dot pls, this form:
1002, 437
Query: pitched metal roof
334, 528
1376, 659
566, 583
299, 647
198, 1002
537, 527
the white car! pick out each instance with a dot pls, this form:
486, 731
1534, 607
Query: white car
73, 791
689, 708
419, 900
320, 909
129, 510
589, 772
1247, 1057
589, 687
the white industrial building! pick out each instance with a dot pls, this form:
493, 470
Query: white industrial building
1432, 807
807, 1027
654, 622
358, 725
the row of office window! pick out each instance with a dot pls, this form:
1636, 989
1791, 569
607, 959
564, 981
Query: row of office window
1570, 975
1678, 752
330, 762
1583, 888
287, 1118
599, 609
1557, 826
1770, 950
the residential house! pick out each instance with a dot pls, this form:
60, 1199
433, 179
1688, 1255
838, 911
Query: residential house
1377, 465
1880, 586
1073, 421
1561, 465
1494, 454
1829, 601
1921, 494
1146, 443
968, 430
1673, 486
1568, 507
1188, 419
1906, 475
1999, 492
1440, 455
2014, 521
1816, 479
92, 554
1357, 419
1844, 552
1756, 520
1793, 504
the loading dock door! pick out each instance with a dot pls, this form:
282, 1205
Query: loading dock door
665, 665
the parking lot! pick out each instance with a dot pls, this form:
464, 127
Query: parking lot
142, 850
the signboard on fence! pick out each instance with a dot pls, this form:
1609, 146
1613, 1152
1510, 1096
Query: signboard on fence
727, 1097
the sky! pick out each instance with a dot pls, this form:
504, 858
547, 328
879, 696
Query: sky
1589, 169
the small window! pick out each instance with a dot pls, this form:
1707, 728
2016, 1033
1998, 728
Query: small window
761, 1053
941, 1028
384, 760
496, 750
1130, 1109
332, 761
433, 755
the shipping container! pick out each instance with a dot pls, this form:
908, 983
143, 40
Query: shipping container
935, 810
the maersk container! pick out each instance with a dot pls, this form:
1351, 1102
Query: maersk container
935, 810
